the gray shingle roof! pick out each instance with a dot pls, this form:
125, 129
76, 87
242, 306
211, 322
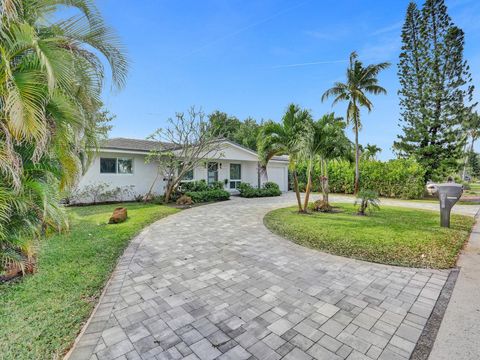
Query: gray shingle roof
147, 145
134, 144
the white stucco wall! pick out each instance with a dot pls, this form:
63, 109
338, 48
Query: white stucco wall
141, 179
144, 174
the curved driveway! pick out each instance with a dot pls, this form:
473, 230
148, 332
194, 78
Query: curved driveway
212, 282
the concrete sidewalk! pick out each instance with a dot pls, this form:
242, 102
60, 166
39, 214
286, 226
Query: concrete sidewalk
459, 334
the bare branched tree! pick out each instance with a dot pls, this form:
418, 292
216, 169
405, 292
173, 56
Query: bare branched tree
186, 143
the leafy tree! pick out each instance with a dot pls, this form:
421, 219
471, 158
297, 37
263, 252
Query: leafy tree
285, 138
361, 81
472, 129
51, 78
474, 163
244, 132
188, 142
247, 133
435, 86
221, 124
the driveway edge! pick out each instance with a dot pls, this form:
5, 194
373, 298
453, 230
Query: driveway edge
429, 334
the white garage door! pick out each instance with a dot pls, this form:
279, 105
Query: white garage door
278, 175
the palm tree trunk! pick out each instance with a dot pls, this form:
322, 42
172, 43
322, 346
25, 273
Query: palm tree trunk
322, 179
357, 160
326, 188
297, 192
262, 174
307, 189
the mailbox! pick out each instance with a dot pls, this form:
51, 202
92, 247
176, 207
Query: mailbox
448, 194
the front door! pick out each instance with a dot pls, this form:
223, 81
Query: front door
212, 173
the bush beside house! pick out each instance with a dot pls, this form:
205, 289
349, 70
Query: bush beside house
268, 189
208, 195
200, 191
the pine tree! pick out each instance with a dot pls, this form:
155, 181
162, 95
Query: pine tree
474, 164
436, 90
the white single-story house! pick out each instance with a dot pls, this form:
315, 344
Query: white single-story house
120, 163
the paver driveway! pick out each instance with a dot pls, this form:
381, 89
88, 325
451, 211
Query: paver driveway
212, 282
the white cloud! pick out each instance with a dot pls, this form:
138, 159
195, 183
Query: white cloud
388, 29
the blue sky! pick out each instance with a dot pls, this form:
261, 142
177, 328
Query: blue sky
253, 58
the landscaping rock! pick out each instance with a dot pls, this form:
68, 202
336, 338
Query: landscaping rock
119, 215
184, 200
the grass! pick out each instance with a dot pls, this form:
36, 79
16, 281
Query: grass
436, 201
42, 314
392, 235
475, 186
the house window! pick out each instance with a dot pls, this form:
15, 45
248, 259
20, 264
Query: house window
116, 166
188, 176
108, 165
235, 175
125, 166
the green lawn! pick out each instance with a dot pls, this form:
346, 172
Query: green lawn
475, 186
41, 315
436, 201
392, 235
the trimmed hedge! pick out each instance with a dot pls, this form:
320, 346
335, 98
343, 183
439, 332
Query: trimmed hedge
269, 189
208, 195
399, 178
200, 185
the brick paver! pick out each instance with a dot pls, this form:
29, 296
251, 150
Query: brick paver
213, 283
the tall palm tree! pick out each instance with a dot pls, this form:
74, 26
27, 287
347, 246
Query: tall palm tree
361, 80
51, 78
285, 138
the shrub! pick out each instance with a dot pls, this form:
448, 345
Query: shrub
269, 189
208, 195
400, 178
216, 185
367, 200
199, 185
184, 200
271, 185
159, 199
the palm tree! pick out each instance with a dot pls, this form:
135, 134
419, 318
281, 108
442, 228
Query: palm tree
335, 146
361, 80
51, 78
371, 151
285, 138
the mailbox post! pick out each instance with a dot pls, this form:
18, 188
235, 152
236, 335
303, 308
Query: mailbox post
448, 194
